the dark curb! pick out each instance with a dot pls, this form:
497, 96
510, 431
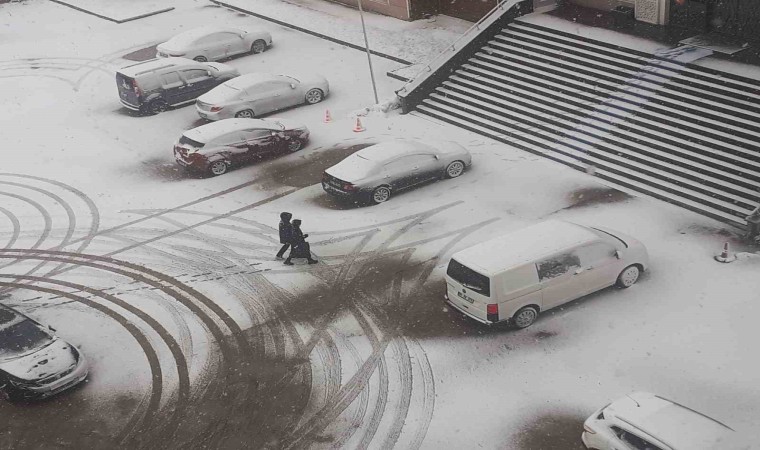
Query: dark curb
313, 33
128, 19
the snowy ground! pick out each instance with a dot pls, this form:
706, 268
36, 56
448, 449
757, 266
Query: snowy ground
196, 335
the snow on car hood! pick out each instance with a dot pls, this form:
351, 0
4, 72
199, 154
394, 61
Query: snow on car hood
43, 363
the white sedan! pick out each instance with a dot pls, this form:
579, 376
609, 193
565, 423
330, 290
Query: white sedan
214, 43
254, 94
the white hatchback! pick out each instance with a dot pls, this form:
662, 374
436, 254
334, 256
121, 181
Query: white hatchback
643, 421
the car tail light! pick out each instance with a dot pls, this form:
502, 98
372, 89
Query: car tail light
216, 108
588, 429
136, 88
492, 312
349, 187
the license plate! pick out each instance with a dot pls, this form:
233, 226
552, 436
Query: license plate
203, 115
465, 298
335, 183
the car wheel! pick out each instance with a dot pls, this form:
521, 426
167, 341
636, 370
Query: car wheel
381, 194
218, 168
258, 46
245, 114
525, 317
628, 276
314, 96
200, 58
294, 145
157, 106
454, 169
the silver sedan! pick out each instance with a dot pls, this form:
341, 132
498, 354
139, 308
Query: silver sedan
378, 171
214, 43
254, 94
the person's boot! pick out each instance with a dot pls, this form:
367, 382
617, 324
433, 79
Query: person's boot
288, 262
312, 261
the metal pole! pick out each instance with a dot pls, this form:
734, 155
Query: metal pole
369, 55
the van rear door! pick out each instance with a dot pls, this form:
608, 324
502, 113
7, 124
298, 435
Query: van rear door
468, 291
128, 91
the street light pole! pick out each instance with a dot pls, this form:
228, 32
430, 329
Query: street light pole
369, 55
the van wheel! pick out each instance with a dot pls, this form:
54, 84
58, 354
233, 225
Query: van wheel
628, 277
157, 106
217, 168
258, 46
525, 317
200, 59
245, 114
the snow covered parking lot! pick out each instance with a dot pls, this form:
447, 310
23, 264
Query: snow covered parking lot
197, 336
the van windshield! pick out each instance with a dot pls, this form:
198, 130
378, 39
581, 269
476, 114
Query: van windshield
469, 278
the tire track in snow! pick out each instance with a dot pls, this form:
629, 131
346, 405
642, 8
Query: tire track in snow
173, 346
142, 340
16, 227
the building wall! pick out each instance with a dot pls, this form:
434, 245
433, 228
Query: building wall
394, 8
604, 5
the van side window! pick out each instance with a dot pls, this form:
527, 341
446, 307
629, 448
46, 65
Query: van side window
557, 265
194, 75
469, 278
170, 79
633, 440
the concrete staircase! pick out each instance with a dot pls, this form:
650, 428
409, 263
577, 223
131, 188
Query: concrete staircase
648, 123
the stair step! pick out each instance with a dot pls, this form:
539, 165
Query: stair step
586, 145
750, 149
609, 178
656, 90
751, 188
735, 83
737, 153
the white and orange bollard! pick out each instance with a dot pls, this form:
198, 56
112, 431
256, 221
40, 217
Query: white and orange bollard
328, 117
358, 126
725, 256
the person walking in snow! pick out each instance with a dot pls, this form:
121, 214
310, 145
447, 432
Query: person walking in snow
300, 248
286, 233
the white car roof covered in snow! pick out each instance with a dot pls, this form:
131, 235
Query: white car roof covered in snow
190, 36
675, 425
249, 79
153, 64
392, 149
206, 133
524, 246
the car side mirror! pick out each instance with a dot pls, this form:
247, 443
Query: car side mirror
436, 157
208, 72
292, 86
618, 254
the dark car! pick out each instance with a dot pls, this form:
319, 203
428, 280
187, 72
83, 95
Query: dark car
215, 147
152, 86
378, 171
34, 363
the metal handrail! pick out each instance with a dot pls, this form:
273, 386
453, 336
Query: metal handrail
503, 5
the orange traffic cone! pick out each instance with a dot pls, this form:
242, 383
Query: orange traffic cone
328, 118
725, 256
358, 127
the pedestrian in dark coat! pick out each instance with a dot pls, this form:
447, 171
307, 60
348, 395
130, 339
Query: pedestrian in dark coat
286, 233
300, 248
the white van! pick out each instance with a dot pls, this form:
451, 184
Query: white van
516, 276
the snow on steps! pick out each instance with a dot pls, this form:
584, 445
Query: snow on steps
680, 133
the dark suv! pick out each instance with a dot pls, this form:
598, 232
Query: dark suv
151, 86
